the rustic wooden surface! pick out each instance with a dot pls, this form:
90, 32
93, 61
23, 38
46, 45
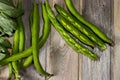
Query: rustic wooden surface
58, 58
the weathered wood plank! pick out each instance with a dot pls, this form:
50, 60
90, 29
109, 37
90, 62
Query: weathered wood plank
63, 61
116, 55
80, 55
58, 58
98, 12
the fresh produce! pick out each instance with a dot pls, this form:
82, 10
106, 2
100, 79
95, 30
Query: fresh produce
7, 17
94, 28
76, 32
35, 36
29, 59
4, 42
82, 28
18, 45
35, 39
21, 29
42, 40
15, 50
8, 25
70, 28
7, 7
21, 32
17, 56
4, 46
45, 34
65, 35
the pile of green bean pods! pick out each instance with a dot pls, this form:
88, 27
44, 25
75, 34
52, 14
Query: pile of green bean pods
81, 35
20, 57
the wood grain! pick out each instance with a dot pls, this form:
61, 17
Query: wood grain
64, 61
116, 55
30, 73
58, 58
99, 13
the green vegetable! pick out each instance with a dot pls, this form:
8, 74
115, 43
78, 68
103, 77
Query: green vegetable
17, 56
4, 45
46, 26
28, 61
21, 32
65, 35
7, 2
28, 51
2, 33
10, 69
2, 56
81, 27
19, 43
10, 10
7, 24
14, 51
94, 28
45, 34
35, 39
3, 52
70, 28
4, 42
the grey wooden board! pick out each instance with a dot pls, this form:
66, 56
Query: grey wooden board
58, 58
116, 55
99, 12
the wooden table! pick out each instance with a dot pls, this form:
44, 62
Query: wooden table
58, 58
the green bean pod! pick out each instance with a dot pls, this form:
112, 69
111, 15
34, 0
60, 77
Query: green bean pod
20, 55
45, 33
21, 33
35, 39
28, 61
10, 69
46, 26
70, 28
14, 51
94, 28
17, 56
65, 35
80, 27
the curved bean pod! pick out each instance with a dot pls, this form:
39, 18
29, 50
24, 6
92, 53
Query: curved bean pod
81, 27
94, 28
35, 39
70, 28
65, 35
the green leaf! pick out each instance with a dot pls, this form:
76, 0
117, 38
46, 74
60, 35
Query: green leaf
8, 2
4, 6
10, 10
1, 32
14, 13
4, 42
3, 52
2, 56
7, 24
